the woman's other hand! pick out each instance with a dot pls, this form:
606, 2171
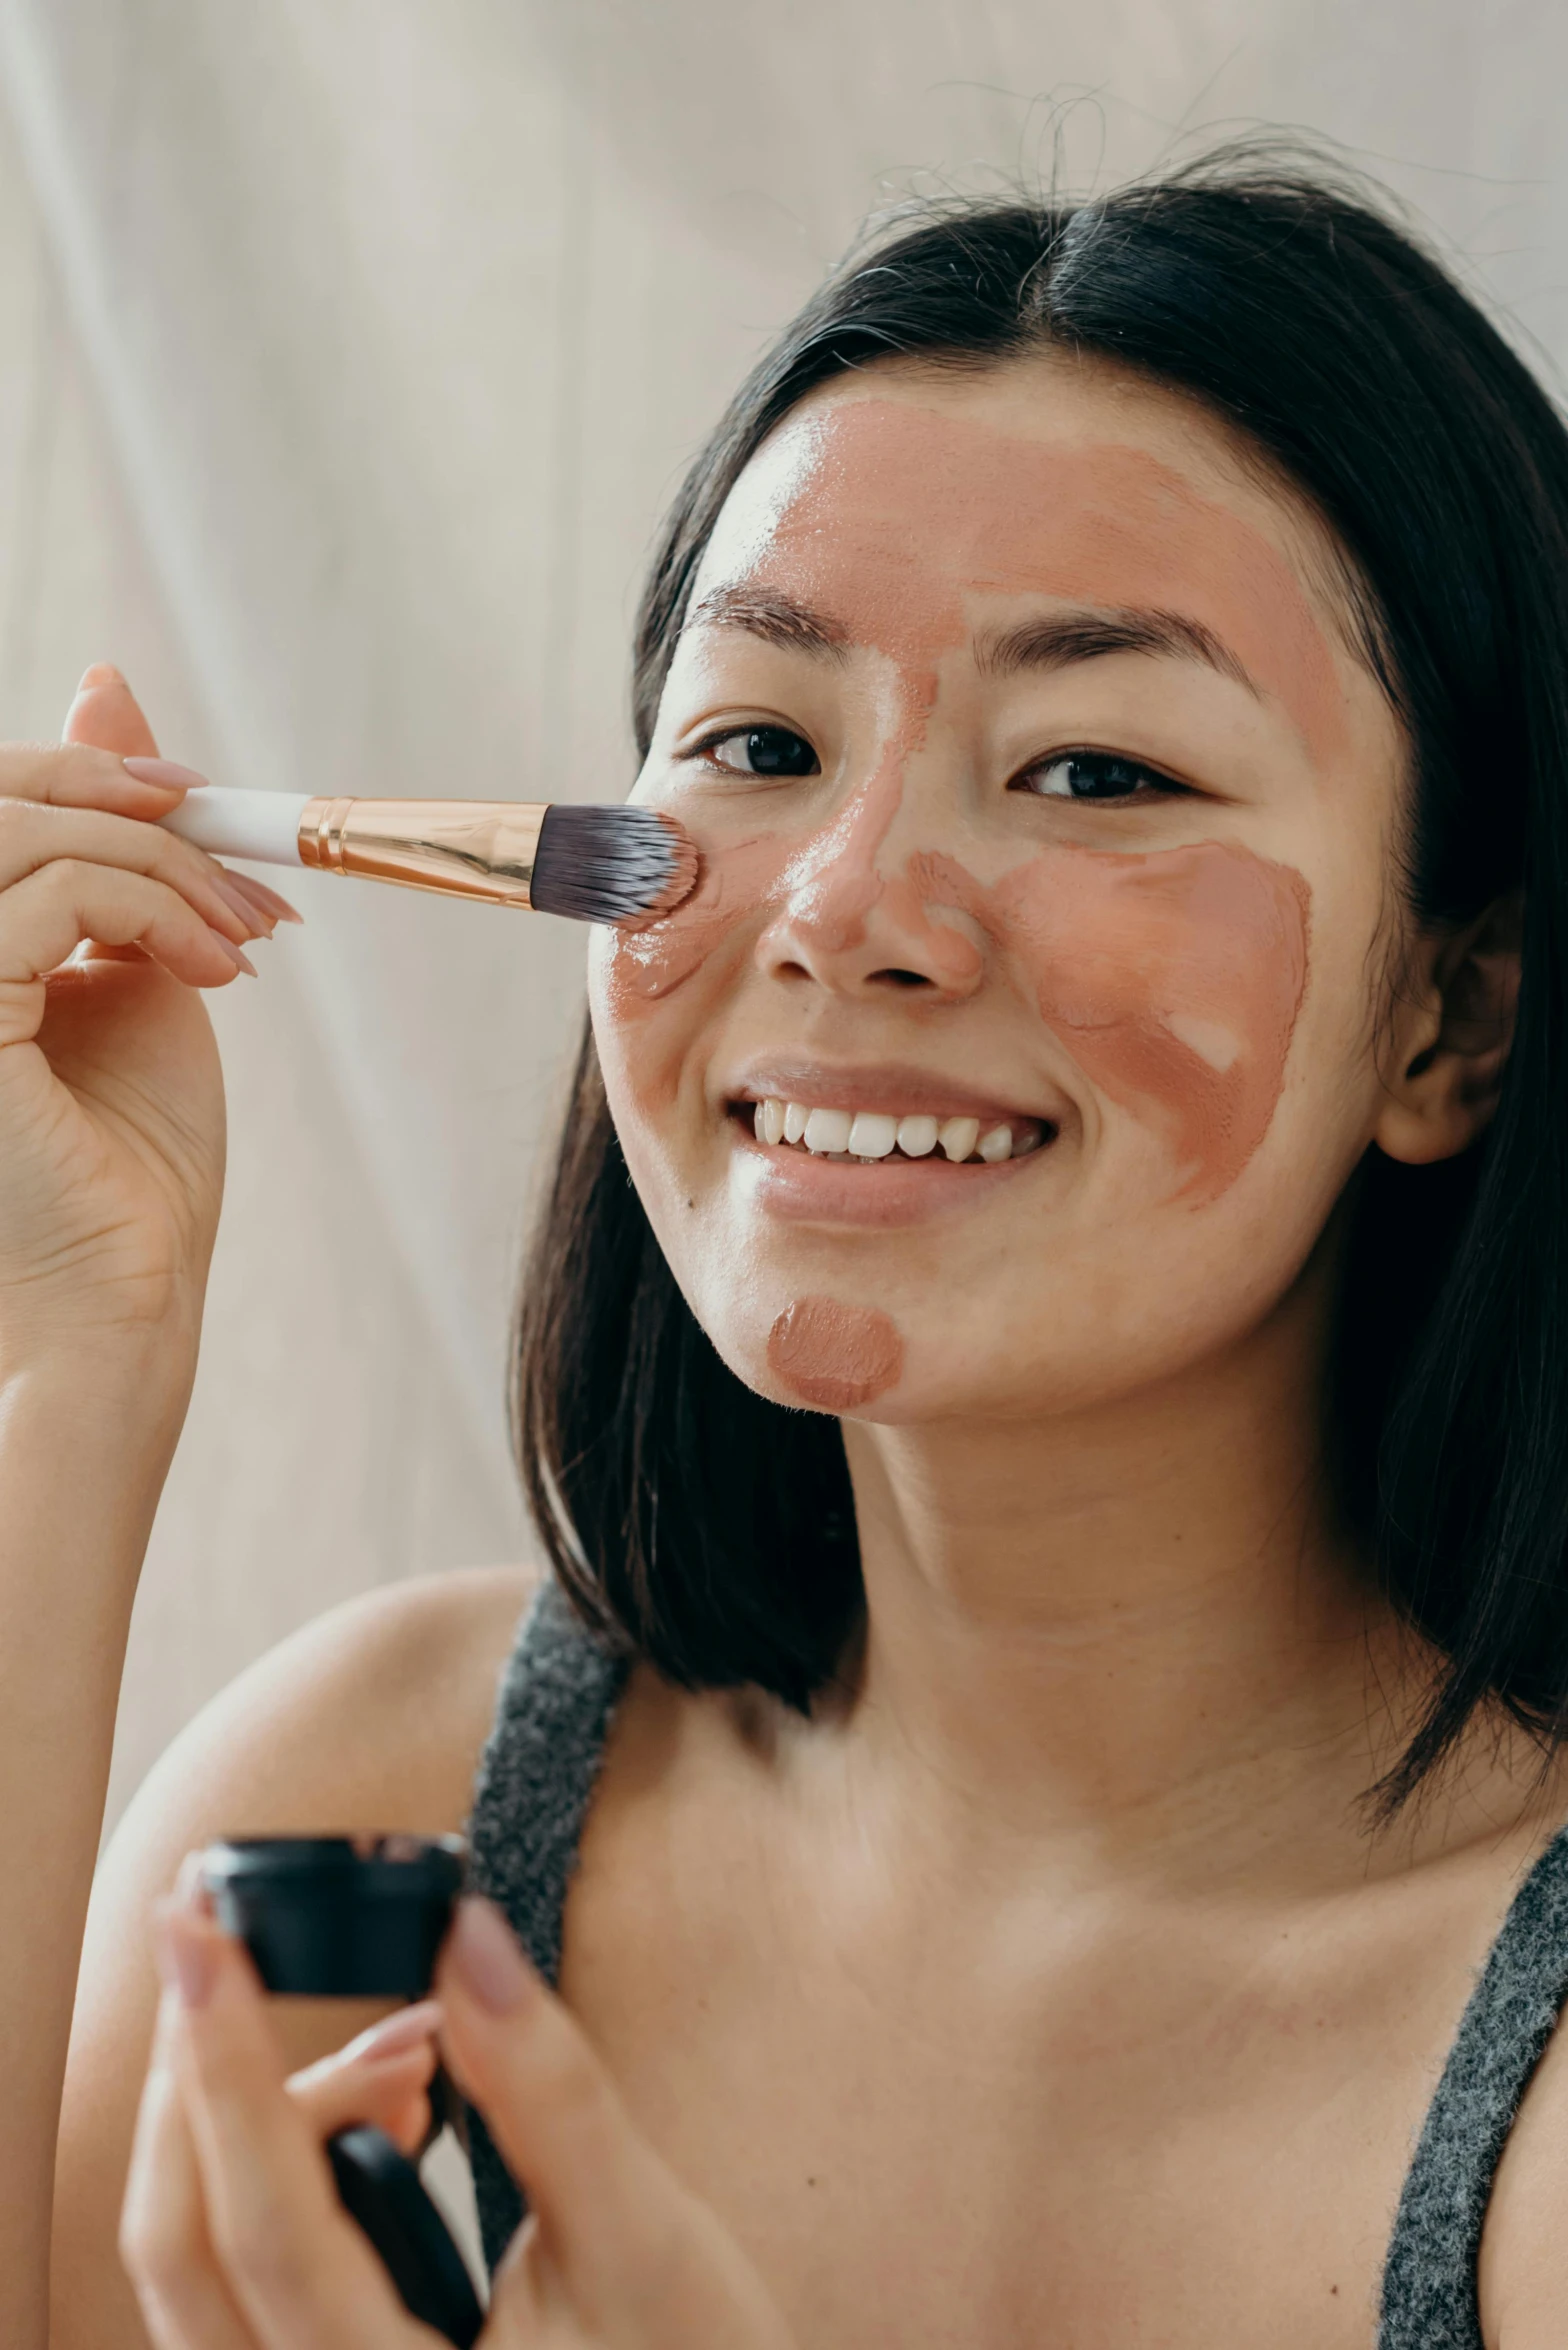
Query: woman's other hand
233, 2234
111, 1101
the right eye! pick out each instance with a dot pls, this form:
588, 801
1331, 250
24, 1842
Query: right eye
762, 750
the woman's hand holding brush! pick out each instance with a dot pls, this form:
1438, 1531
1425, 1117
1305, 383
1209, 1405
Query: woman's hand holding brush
111, 1101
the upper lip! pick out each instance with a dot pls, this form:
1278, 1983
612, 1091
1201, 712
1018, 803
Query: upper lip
891, 1088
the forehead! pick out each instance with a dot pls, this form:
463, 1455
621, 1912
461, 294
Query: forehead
903, 499
981, 465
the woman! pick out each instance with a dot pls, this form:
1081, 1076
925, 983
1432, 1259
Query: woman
1060, 1451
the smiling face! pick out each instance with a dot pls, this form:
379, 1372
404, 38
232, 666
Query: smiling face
1047, 820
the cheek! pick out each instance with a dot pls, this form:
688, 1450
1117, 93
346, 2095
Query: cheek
1175, 981
642, 968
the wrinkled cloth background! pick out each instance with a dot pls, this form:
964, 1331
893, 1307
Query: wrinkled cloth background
347, 356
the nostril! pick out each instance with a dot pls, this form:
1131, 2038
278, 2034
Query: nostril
895, 978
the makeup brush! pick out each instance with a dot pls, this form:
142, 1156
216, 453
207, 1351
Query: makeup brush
593, 864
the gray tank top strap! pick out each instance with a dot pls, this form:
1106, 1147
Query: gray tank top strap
535, 1782
1429, 2279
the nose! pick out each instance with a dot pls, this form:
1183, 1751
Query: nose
874, 904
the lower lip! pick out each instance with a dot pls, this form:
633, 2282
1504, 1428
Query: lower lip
804, 1189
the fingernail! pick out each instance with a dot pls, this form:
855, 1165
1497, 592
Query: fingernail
167, 771
101, 673
190, 1893
267, 900
256, 921
483, 1954
187, 1954
411, 2027
235, 954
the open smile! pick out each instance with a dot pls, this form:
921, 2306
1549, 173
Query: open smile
875, 1146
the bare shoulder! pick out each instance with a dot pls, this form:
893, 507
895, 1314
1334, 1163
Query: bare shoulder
372, 1717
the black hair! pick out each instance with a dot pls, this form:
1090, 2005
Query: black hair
712, 1531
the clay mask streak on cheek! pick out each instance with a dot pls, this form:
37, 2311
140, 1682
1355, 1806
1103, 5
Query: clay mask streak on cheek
1175, 981
835, 1356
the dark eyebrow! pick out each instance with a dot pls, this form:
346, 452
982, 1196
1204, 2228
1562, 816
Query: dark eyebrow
775, 617
1058, 638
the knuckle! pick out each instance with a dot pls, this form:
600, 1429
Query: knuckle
65, 878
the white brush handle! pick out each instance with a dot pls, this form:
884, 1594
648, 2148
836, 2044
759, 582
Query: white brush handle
261, 825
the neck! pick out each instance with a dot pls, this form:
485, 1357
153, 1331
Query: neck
1136, 1624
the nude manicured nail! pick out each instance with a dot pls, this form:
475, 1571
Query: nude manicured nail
187, 1954
101, 673
484, 1956
395, 2035
190, 1893
241, 960
267, 901
255, 918
167, 771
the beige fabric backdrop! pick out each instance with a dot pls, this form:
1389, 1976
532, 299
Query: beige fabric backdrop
348, 349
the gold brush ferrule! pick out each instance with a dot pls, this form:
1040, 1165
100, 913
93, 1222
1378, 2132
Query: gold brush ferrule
462, 848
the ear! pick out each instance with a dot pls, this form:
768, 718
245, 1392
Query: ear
1454, 1028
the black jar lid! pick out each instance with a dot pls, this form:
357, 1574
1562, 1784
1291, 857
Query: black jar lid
338, 1916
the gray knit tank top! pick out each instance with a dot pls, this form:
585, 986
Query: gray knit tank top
535, 1783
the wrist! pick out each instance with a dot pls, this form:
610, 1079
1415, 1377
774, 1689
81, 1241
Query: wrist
126, 1396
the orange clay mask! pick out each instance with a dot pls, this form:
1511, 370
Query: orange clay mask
1174, 977
836, 1356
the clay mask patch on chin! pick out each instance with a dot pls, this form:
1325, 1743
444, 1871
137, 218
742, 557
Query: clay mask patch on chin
836, 1356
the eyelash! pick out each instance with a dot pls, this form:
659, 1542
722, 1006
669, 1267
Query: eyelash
1163, 786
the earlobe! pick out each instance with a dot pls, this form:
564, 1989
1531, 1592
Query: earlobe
1455, 1040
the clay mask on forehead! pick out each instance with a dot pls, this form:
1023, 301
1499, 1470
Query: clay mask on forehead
1172, 978
893, 519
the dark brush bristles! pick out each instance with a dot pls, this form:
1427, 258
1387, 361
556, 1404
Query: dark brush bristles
621, 865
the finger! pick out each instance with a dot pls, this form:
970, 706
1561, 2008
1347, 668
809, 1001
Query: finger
75, 775
299, 2269
382, 2077
164, 2242
44, 919
604, 2203
107, 714
266, 901
32, 837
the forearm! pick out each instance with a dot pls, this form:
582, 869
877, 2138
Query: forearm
83, 1453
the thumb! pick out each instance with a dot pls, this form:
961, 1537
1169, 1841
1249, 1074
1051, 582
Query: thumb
634, 2255
595, 2187
107, 715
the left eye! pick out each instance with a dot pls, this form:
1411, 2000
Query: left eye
1094, 775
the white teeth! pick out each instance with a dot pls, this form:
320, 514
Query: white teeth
827, 1130
872, 1136
868, 1135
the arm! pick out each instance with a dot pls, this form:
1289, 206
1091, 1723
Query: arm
371, 1718
80, 1470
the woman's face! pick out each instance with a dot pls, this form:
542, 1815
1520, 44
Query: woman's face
1044, 808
